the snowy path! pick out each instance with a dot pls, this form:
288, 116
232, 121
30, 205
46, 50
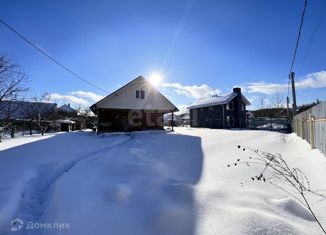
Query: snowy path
154, 183
37, 189
33, 168
150, 189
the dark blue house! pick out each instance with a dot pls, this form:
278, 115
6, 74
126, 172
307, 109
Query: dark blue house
227, 111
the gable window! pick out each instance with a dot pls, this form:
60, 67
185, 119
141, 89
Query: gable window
242, 107
140, 94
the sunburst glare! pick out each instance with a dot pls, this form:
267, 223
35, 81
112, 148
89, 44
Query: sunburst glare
155, 78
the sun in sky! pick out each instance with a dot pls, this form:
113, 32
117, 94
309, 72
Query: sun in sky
156, 78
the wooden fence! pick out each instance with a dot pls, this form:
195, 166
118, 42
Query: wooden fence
311, 126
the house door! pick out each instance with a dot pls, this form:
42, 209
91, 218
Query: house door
124, 123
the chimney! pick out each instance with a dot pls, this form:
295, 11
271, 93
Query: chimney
68, 104
237, 90
237, 108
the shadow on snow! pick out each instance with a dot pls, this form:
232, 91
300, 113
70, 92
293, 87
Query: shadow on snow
141, 183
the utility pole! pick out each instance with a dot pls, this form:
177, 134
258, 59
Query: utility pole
287, 108
294, 106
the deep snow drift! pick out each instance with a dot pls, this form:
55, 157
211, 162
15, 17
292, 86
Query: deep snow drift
154, 183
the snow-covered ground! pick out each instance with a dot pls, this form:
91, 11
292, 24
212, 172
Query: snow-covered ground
275, 126
154, 183
7, 142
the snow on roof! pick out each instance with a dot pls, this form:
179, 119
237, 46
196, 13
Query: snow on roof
212, 101
168, 117
184, 116
25, 109
66, 108
216, 101
66, 121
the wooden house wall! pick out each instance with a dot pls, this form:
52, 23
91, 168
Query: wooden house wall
212, 116
129, 120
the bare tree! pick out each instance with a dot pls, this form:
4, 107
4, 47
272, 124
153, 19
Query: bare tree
88, 112
278, 101
12, 80
41, 112
84, 115
79, 108
12, 87
82, 110
262, 102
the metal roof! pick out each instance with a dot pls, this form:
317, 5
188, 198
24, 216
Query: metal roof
216, 101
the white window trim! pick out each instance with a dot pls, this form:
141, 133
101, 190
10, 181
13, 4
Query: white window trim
139, 94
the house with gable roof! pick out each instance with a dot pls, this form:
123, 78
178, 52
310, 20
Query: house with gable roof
137, 105
227, 111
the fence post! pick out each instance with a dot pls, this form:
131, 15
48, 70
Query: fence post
12, 131
300, 124
294, 123
312, 130
30, 128
304, 134
301, 127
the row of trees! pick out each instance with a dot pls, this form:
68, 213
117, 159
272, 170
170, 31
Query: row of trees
13, 91
278, 101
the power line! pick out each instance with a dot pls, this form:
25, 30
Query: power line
299, 34
291, 73
288, 87
51, 58
297, 42
312, 37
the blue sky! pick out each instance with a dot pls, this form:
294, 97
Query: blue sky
200, 47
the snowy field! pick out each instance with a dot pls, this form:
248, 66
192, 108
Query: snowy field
153, 183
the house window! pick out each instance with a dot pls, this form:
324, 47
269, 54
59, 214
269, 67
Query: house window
242, 107
229, 106
232, 121
140, 94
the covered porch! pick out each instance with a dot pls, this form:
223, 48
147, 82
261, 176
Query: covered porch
129, 120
